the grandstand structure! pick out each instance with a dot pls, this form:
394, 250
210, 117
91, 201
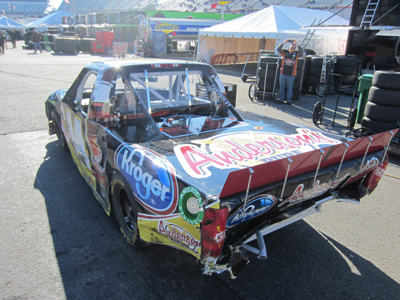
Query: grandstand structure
23, 8
237, 7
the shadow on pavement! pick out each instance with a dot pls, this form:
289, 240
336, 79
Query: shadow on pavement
95, 262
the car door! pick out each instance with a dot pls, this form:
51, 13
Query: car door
74, 111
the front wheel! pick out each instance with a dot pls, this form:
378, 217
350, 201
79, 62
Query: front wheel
252, 91
59, 133
317, 113
125, 210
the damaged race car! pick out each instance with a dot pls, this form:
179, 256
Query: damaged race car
165, 151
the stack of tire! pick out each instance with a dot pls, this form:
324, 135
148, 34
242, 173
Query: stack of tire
267, 74
349, 67
382, 111
314, 74
306, 73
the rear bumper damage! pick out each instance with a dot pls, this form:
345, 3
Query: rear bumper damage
238, 254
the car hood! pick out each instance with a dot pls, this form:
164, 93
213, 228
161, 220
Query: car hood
218, 161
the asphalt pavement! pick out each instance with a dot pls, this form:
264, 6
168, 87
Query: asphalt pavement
57, 243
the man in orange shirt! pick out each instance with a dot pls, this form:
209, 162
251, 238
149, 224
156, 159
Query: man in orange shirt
288, 69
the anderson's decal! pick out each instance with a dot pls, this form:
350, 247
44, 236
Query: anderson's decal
254, 208
179, 236
150, 176
246, 149
190, 205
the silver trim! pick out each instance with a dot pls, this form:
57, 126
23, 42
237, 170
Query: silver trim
286, 177
248, 187
366, 152
341, 162
301, 215
316, 171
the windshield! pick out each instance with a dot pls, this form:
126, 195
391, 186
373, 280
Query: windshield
173, 101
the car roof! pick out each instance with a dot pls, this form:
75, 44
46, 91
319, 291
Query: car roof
138, 62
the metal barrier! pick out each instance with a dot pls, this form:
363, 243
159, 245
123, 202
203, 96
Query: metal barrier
119, 49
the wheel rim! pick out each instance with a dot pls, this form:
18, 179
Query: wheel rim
126, 210
252, 91
321, 89
317, 113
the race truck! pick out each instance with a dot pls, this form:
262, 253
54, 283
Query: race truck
164, 150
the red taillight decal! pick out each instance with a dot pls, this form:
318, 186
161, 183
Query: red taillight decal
372, 179
213, 232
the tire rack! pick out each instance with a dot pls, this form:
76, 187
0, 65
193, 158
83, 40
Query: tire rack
253, 90
319, 107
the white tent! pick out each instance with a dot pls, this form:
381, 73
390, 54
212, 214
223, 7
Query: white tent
267, 28
53, 19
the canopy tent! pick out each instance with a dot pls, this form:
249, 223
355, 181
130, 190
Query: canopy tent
10, 24
50, 20
267, 28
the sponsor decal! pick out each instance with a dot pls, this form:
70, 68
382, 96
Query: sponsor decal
256, 207
246, 149
179, 235
166, 27
190, 205
319, 189
222, 2
150, 176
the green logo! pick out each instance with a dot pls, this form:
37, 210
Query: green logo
190, 205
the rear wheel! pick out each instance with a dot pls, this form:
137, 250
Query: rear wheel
59, 133
125, 210
317, 113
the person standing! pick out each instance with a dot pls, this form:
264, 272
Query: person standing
2, 41
13, 36
36, 39
288, 69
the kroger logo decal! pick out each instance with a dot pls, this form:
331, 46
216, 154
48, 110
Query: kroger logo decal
254, 208
151, 178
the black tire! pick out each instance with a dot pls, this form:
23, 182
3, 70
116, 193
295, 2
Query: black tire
346, 70
351, 120
59, 132
270, 75
125, 210
300, 64
315, 71
382, 113
269, 85
296, 95
317, 113
299, 74
252, 91
313, 80
347, 61
384, 96
316, 61
386, 80
333, 88
378, 126
347, 79
296, 85
269, 59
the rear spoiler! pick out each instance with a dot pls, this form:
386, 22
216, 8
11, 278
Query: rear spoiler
260, 175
